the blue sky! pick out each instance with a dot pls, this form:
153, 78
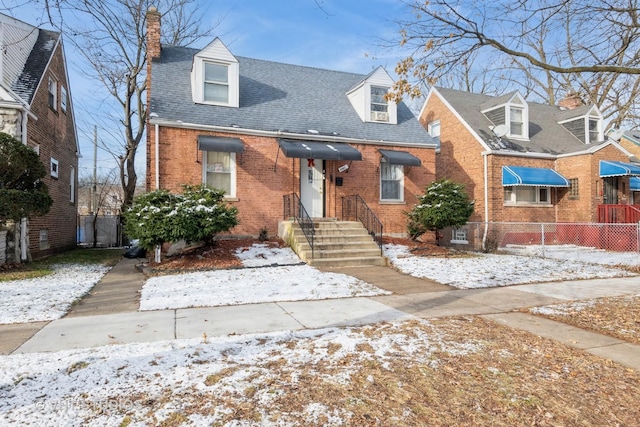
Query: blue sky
343, 35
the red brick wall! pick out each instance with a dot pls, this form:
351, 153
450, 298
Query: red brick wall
261, 183
54, 132
460, 159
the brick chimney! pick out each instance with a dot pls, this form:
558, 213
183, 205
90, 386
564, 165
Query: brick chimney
571, 101
153, 33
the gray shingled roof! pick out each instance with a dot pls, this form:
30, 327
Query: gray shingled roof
545, 134
36, 65
275, 96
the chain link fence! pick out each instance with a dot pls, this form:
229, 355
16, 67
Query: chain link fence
607, 244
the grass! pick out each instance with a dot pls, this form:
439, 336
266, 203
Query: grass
44, 267
618, 317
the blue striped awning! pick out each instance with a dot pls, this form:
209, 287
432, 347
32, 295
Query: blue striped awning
520, 175
611, 168
634, 183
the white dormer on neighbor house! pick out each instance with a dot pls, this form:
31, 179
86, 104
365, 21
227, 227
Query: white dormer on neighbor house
585, 123
215, 76
512, 111
368, 98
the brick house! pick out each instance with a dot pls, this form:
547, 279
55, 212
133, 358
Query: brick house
630, 141
263, 130
527, 162
36, 108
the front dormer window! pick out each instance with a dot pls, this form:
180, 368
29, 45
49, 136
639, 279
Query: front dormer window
516, 122
594, 130
510, 114
379, 105
216, 83
585, 123
369, 98
215, 76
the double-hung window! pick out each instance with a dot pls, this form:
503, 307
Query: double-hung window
516, 122
63, 98
220, 171
594, 131
527, 195
379, 105
216, 83
391, 182
53, 93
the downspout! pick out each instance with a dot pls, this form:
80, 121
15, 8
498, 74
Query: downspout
157, 159
486, 199
24, 235
157, 251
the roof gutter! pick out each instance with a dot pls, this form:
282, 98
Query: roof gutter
285, 134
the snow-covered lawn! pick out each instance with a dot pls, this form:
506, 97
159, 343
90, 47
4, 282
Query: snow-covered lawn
206, 382
580, 253
478, 270
283, 280
49, 297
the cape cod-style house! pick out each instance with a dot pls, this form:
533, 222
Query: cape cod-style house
529, 162
292, 146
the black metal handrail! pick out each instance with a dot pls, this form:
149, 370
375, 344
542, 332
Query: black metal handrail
355, 208
293, 208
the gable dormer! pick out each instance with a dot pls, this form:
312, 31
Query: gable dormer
368, 98
215, 76
512, 111
585, 123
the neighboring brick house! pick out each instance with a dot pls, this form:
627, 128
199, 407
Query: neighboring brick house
528, 162
36, 108
630, 141
261, 130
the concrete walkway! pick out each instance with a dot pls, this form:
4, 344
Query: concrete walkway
108, 315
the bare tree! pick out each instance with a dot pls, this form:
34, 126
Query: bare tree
548, 47
111, 36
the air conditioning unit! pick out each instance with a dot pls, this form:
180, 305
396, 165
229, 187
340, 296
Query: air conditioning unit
380, 116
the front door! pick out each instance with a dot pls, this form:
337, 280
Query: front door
312, 187
611, 190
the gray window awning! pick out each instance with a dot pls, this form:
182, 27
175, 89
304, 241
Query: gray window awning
400, 158
319, 150
220, 143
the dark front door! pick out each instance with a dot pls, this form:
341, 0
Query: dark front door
610, 190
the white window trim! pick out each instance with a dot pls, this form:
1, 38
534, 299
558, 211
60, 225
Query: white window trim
233, 82
459, 241
382, 114
63, 98
401, 181
54, 167
587, 132
52, 89
233, 170
525, 121
515, 202
433, 128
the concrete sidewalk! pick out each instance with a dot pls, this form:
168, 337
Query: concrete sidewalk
107, 317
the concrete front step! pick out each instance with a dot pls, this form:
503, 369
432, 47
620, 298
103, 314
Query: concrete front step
350, 231
352, 253
326, 238
347, 262
336, 244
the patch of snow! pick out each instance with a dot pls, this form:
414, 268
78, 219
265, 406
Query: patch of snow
49, 297
478, 270
100, 386
250, 285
